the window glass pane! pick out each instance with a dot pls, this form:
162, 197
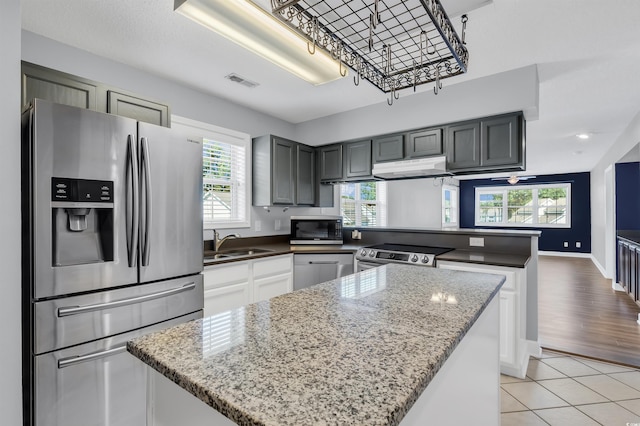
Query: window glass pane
519, 206
216, 160
348, 190
368, 191
490, 208
552, 205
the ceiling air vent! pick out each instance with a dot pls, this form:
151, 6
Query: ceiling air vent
241, 80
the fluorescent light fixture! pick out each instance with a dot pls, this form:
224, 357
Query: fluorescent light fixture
583, 136
255, 29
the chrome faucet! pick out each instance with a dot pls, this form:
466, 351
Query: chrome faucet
217, 242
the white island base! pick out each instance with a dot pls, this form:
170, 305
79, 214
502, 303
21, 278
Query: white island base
466, 390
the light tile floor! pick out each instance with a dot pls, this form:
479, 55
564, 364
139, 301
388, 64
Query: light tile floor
564, 390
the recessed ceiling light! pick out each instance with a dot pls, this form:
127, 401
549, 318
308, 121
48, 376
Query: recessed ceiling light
583, 136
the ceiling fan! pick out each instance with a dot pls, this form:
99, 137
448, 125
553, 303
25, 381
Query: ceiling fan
513, 179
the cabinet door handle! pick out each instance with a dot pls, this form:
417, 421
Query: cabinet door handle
323, 262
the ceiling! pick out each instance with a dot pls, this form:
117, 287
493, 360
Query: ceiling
587, 53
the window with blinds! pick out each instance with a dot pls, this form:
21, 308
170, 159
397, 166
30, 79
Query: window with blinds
226, 195
363, 204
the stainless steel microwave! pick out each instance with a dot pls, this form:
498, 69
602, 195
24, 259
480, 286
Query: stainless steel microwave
316, 229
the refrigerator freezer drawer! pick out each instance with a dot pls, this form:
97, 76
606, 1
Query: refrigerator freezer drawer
94, 384
69, 321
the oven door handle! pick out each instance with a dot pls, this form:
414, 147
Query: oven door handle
75, 310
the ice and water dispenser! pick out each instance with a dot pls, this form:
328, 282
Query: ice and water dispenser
82, 219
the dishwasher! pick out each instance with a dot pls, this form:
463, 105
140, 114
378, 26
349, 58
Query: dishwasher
311, 269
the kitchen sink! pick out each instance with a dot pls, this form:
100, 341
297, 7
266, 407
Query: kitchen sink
226, 254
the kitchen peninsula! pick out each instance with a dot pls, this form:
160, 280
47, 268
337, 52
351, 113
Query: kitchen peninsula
392, 345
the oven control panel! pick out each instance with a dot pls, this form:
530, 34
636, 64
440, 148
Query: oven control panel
385, 256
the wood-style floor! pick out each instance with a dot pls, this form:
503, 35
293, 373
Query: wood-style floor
579, 312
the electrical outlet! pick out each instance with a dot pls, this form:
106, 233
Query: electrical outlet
566, 244
277, 225
257, 225
476, 242
578, 244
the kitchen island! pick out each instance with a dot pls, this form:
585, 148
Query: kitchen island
392, 345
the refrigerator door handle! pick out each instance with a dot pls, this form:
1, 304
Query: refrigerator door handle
73, 360
75, 310
132, 201
146, 176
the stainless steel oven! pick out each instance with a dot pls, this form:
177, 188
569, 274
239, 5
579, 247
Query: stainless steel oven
381, 254
316, 230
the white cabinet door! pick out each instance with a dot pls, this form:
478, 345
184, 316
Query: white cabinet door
224, 298
266, 288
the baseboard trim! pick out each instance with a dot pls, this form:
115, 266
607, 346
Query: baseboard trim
564, 254
617, 287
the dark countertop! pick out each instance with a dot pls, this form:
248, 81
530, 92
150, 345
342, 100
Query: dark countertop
495, 259
632, 236
353, 351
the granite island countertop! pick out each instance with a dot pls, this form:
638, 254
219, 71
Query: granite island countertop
357, 350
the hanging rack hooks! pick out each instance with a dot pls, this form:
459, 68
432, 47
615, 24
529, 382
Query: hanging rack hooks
464, 20
314, 35
438, 85
356, 78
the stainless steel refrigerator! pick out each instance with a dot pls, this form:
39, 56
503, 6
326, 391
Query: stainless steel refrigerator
112, 249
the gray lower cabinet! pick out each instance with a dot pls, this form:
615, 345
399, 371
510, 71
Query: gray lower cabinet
330, 158
68, 89
357, 160
283, 172
424, 143
388, 148
629, 267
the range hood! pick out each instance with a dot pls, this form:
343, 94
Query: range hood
420, 167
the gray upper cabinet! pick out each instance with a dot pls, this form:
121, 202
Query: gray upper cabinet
388, 148
501, 142
54, 86
330, 157
68, 89
283, 172
463, 146
357, 161
489, 144
137, 108
306, 175
424, 143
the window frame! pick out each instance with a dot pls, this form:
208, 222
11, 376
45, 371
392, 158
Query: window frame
455, 206
380, 203
232, 137
479, 190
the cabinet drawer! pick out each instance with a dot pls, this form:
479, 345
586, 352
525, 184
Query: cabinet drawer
272, 266
220, 275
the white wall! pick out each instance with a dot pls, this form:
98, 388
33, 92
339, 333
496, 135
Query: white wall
416, 203
628, 140
10, 355
515, 90
184, 101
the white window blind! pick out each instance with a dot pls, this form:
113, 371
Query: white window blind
364, 203
226, 193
